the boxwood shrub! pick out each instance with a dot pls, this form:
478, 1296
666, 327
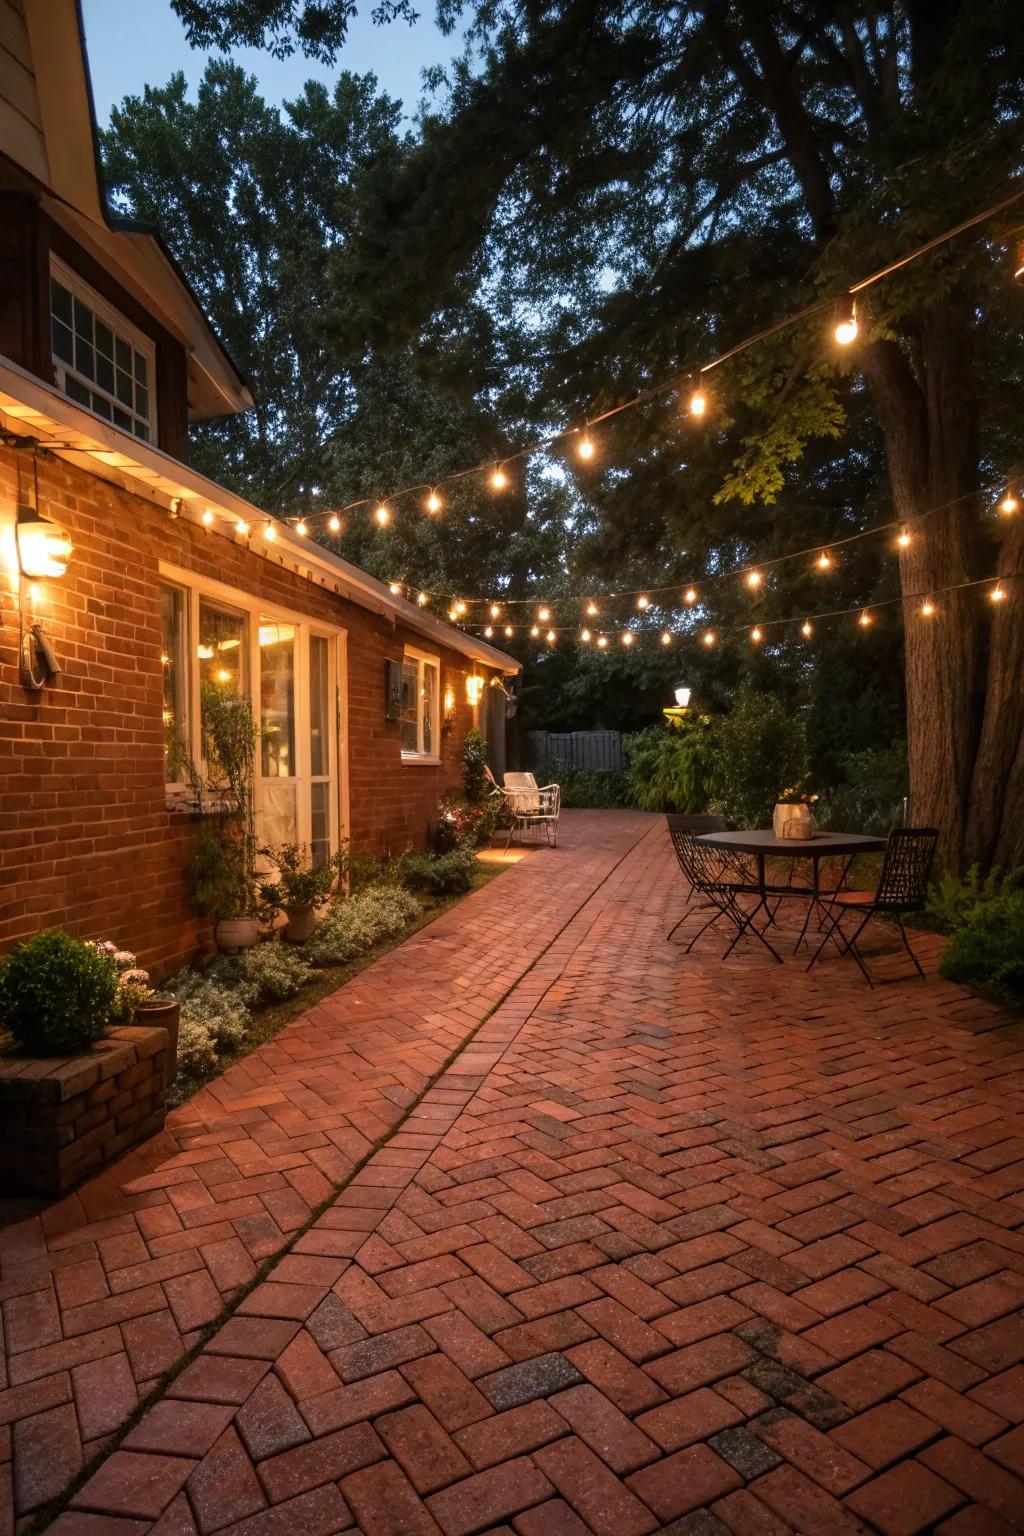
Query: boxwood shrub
56, 993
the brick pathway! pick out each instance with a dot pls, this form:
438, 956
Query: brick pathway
672, 1245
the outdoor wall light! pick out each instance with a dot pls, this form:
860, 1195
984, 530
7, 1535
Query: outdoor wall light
474, 688
449, 703
43, 549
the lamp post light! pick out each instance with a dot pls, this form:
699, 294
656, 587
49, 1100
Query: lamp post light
676, 712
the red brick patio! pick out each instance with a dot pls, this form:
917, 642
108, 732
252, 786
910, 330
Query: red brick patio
672, 1244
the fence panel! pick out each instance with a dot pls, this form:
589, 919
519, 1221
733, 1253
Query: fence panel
594, 751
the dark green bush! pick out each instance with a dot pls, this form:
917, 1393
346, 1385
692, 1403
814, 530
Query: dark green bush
673, 767
761, 751
56, 993
987, 946
440, 874
869, 796
474, 767
587, 789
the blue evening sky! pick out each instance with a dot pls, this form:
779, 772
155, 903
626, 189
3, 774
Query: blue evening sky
132, 43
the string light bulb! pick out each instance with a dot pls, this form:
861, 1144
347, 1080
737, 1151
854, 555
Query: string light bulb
433, 502
602, 643
627, 638
551, 637
242, 527
585, 636
301, 529
690, 595
927, 609
756, 635
208, 518
708, 637
824, 561
754, 579
1009, 503
495, 610
509, 631
807, 629
845, 331
452, 615
499, 479
382, 515
488, 632
592, 610
997, 595
534, 631
865, 621
643, 602
460, 607
666, 638
421, 599
394, 588
585, 447
698, 401
334, 523
543, 615
904, 538
269, 532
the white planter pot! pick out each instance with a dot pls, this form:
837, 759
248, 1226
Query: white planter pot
301, 925
237, 932
796, 821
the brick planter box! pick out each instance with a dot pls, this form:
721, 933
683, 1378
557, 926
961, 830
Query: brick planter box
63, 1118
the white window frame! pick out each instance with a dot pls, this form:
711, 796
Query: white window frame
425, 659
112, 317
198, 587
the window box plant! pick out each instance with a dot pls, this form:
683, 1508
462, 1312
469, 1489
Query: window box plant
223, 872
299, 887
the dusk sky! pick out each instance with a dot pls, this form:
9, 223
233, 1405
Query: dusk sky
127, 52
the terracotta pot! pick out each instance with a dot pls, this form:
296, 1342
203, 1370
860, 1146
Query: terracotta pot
301, 925
165, 1012
237, 932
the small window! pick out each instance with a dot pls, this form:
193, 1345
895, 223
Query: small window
420, 695
174, 662
100, 360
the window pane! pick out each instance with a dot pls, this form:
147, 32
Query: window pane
320, 837
278, 822
428, 704
124, 387
142, 401
104, 339
140, 369
410, 707
84, 358
63, 346
83, 321
277, 700
104, 373
319, 706
172, 659
123, 355
77, 391
141, 430
123, 419
102, 407
60, 302
221, 647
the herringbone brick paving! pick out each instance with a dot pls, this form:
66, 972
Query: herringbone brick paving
107, 1289
674, 1244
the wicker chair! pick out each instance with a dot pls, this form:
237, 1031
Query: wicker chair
902, 887
529, 804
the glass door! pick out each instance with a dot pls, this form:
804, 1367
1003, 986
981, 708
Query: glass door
298, 754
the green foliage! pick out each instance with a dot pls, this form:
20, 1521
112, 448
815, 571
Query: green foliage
870, 796
952, 900
474, 767
274, 971
355, 924
440, 874
987, 945
300, 884
217, 885
465, 823
56, 993
587, 789
223, 868
761, 758
673, 767
368, 869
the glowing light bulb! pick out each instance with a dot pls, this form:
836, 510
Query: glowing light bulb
301, 530
543, 615
845, 331
585, 448
689, 596
708, 637
756, 635
643, 602
904, 539
433, 502
592, 610
754, 579
1009, 503
488, 632
602, 643
698, 402
997, 594
383, 515
806, 629
223, 675
509, 631
334, 523
666, 638
534, 630
865, 620
242, 527
422, 599
495, 610
165, 661
824, 561
208, 518
585, 636
627, 638
499, 479
460, 607
927, 609
394, 588
551, 637
269, 532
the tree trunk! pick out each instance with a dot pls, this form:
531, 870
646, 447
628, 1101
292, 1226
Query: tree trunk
995, 822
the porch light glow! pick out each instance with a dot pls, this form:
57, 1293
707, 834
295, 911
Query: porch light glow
460, 607
452, 615
43, 549
824, 561
474, 688
495, 610
449, 703
683, 697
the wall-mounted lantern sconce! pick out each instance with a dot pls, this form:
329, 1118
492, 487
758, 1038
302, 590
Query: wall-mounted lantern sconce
449, 704
43, 549
474, 688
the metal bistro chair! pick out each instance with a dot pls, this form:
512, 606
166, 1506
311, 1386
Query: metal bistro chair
530, 804
681, 822
902, 887
722, 877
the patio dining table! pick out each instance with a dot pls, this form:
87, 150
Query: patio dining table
764, 845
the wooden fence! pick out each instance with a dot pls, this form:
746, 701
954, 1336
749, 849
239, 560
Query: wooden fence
597, 751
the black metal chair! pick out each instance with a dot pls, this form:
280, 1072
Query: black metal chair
723, 877
679, 821
902, 887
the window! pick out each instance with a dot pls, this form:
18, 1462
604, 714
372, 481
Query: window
420, 732
290, 670
101, 361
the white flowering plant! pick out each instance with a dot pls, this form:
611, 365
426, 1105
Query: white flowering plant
132, 981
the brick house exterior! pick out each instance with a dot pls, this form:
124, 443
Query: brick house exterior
92, 838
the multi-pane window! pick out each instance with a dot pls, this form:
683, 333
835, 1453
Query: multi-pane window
421, 676
100, 360
174, 661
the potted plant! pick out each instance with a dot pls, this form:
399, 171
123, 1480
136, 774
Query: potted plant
299, 887
224, 881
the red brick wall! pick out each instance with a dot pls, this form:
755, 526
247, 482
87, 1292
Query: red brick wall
86, 841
